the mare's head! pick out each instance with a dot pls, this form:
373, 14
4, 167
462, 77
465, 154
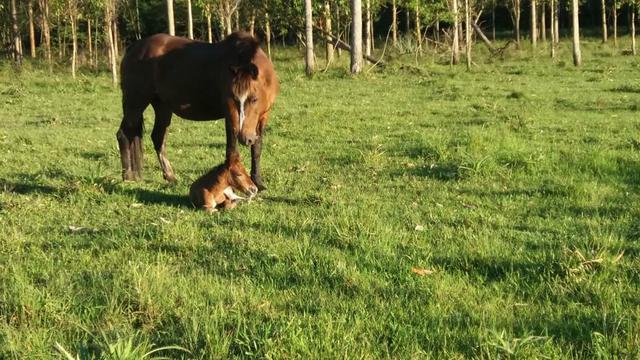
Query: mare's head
244, 97
238, 178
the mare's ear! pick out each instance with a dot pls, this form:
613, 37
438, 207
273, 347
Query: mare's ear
252, 70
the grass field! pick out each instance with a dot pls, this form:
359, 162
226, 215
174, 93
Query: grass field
420, 212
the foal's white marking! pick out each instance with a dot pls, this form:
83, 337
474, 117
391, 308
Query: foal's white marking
228, 192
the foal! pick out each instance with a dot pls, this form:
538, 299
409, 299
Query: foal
214, 189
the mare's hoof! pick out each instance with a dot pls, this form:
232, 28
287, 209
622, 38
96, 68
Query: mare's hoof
171, 178
259, 183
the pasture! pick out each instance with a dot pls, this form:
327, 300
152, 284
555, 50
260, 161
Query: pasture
422, 211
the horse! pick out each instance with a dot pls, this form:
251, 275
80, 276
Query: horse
215, 189
232, 79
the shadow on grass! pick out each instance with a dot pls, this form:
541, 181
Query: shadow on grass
26, 188
151, 197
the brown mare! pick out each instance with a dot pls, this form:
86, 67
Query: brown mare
215, 189
232, 79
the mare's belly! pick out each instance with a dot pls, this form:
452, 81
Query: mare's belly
197, 112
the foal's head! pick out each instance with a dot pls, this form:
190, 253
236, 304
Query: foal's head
238, 178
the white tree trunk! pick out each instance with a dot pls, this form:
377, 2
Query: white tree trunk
328, 29
74, 41
209, 29
455, 46
614, 12
552, 17
633, 29
189, 20
467, 21
418, 33
577, 57
15, 28
356, 36
604, 20
394, 23
268, 33
170, 20
543, 23
308, 27
534, 26
367, 28
32, 31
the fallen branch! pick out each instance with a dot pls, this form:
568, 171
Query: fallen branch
342, 45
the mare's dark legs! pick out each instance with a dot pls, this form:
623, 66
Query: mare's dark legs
159, 137
256, 151
130, 142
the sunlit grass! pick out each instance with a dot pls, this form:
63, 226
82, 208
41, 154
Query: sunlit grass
514, 187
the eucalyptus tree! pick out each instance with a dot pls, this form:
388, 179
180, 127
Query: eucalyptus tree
32, 31
455, 41
356, 36
514, 12
15, 29
189, 20
603, 10
170, 18
308, 27
46, 29
577, 56
534, 21
328, 29
72, 10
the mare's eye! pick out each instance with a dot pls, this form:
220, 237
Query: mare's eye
252, 99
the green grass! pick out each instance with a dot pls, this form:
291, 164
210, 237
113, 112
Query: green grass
517, 183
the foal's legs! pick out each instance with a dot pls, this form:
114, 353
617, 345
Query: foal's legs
130, 142
159, 137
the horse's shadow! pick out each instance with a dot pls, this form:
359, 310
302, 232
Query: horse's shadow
151, 197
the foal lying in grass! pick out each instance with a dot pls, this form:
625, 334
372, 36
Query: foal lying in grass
215, 189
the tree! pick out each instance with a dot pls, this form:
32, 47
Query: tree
72, 12
328, 29
394, 23
632, 10
15, 29
109, 17
189, 20
455, 46
46, 30
534, 20
553, 19
614, 14
356, 36
577, 58
308, 27
32, 32
514, 11
170, 20
467, 21
603, 9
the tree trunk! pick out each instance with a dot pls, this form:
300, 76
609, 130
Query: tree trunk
614, 12
89, 42
418, 33
189, 20
339, 51
170, 20
95, 42
74, 41
327, 28
237, 15
308, 27
394, 23
46, 31
268, 34
252, 23
111, 46
517, 22
32, 31
534, 26
467, 20
15, 29
577, 58
633, 28
493, 24
543, 22
356, 36
604, 20
367, 28
556, 21
116, 33
138, 27
227, 17
552, 17
455, 56
209, 29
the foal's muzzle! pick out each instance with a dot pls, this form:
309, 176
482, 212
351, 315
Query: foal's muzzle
247, 140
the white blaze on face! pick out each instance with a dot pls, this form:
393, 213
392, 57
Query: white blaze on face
241, 100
